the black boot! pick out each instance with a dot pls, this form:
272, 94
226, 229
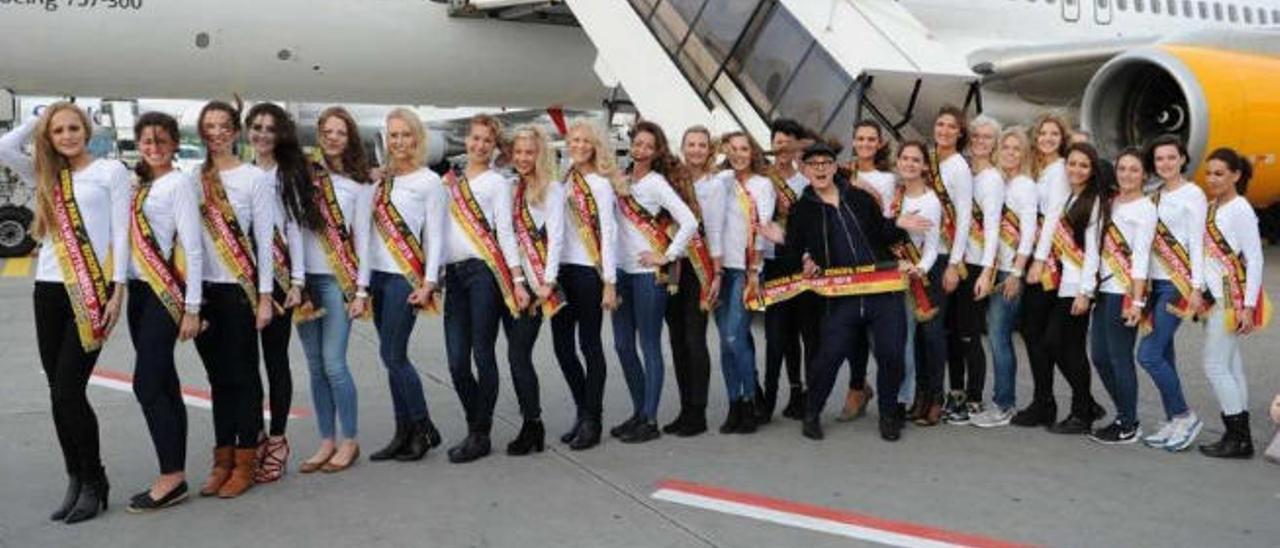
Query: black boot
764, 406
1236, 442
587, 434
626, 426
395, 446
417, 442
890, 428
795, 403
812, 428
732, 420
675, 425
640, 433
567, 437
69, 499
1039, 413
747, 417
433, 435
474, 447
530, 439
695, 422
92, 499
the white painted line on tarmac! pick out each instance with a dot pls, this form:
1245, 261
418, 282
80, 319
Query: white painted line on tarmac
193, 397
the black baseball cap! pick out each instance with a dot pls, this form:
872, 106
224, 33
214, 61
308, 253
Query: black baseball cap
818, 149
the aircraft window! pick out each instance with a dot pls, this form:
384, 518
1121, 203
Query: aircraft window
1173, 7
1275, 16
1122, 4
1217, 11
1155, 7
1186, 9
1231, 11
766, 64
1262, 16
1248, 14
809, 97
1204, 10
1137, 6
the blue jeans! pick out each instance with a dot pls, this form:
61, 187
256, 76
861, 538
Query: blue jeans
930, 349
642, 305
1002, 317
521, 334
737, 350
1155, 352
324, 341
472, 309
1112, 352
394, 318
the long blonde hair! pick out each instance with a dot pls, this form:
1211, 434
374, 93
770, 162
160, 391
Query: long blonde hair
602, 160
1038, 161
543, 167
49, 163
415, 128
1024, 143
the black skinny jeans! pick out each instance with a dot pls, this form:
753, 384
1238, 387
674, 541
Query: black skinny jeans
229, 350
583, 289
522, 334
690, 358
275, 356
67, 368
1037, 307
786, 327
155, 376
966, 323
1064, 342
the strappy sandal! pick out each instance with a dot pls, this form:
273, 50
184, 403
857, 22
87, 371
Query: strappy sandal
273, 461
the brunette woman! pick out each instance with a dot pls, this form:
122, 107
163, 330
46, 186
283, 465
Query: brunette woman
954, 186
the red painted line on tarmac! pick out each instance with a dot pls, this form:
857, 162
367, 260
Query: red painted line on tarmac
116, 379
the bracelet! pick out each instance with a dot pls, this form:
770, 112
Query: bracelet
1016, 274
518, 279
362, 294
1139, 304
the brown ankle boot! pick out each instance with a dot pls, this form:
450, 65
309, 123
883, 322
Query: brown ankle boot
855, 404
242, 475
223, 460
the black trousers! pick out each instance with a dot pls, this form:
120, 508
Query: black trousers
1037, 307
787, 326
884, 316
1064, 341
522, 334
155, 376
690, 358
966, 323
583, 289
67, 368
229, 350
275, 356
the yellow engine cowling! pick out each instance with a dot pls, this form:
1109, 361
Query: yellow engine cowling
1211, 95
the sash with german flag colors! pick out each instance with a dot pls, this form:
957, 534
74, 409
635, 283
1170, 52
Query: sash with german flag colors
899, 195
1177, 263
1065, 249
533, 242
339, 248
1010, 228
754, 301
976, 235
229, 240
161, 274
838, 282
921, 305
656, 231
699, 253
401, 242
948, 207
1233, 282
467, 213
586, 216
786, 197
81, 272
1119, 258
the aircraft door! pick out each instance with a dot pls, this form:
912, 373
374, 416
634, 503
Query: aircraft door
1071, 10
1102, 11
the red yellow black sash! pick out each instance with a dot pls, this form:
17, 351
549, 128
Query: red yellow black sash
1064, 250
81, 272
838, 282
655, 228
467, 213
921, 305
1233, 281
229, 240
753, 300
160, 273
585, 215
401, 242
533, 242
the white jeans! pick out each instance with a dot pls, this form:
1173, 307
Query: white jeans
1224, 366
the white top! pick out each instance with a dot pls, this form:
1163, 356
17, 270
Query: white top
291, 230
1052, 190
654, 194
885, 183
575, 252
1137, 222
712, 201
1184, 211
1072, 275
988, 196
736, 219
1239, 225
797, 182
249, 193
928, 206
355, 200
549, 217
1020, 197
492, 192
958, 180
101, 191
172, 208
420, 199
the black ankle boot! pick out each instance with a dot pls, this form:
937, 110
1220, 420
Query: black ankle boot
395, 446
890, 428
567, 437
68, 500
417, 442
675, 425
587, 434
812, 428
764, 406
747, 417
695, 422
530, 439
433, 435
92, 499
1236, 442
474, 447
1039, 413
795, 404
732, 420
626, 426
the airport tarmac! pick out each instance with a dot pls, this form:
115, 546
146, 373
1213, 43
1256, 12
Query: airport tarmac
942, 485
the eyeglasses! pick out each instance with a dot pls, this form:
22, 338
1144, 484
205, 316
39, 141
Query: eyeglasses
819, 164
263, 128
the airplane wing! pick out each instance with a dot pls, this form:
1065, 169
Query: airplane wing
1047, 73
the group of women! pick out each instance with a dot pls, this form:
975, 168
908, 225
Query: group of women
986, 230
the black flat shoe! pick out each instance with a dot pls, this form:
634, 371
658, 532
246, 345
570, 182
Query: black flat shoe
812, 429
1072, 425
586, 436
626, 426
732, 420
395, 446
567, 437
68, 500
1036, 414
645, 431
142, 503
693, 425
675, 425
474, 447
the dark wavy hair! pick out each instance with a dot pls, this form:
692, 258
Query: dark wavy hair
928, 175
962, 120
161, 122
1235, 162
881, 159
1166, 140
664, 162
758, 165
355, 163
293, 172
207, 170
1095, 189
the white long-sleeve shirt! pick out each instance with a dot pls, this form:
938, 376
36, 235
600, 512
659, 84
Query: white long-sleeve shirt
492, 192
172, 208
1019, 197
575, 251
421, 200
548, 216
1052, 190
737, 222
712, 202
885, 183
101, 190
1137, 222
988, 196
928, 206
356, 202
1239, 226
249, 194
1184, 212
654, 194
797, 183
1073, 275
290, 229
958, 179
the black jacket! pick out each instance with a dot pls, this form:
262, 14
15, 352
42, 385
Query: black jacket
807, 230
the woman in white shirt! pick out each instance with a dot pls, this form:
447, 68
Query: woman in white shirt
1233, 273
588, 271
404, 265
645, 203
164, 298
954, 186
1116, 264
67, 178
698, 283
337, 266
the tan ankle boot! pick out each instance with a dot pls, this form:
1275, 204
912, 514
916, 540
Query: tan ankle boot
223, 460
855, 404
242, 475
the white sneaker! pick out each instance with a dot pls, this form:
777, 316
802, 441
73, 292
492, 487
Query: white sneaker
1185, 433
992, 418
1161, 437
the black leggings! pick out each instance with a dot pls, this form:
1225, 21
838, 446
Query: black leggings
67, 368
521, 334
583, 290
1064, 341
275, 355
966, 323
1037, 306
229, 350
155, 376
690, 359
